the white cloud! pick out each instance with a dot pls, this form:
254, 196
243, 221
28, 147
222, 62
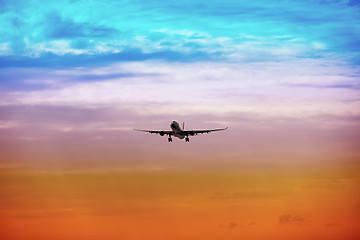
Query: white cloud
8, 124
5, 49
58, 47
270, 89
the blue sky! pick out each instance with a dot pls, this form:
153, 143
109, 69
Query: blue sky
178, 30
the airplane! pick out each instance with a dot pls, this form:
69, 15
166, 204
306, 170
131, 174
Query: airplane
179, 132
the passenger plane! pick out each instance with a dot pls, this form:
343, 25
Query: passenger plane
179, 132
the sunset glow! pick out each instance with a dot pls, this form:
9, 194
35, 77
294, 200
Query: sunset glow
76, 77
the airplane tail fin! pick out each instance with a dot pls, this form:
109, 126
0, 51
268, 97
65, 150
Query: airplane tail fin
183, 125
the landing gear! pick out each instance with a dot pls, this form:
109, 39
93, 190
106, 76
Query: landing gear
169, 139
187, 139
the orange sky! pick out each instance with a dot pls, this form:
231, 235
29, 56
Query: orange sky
180, 204
279, 179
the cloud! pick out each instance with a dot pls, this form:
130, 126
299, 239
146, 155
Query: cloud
38, 213
292, 219
328, 184
354, 86
230, 225
64, 114
226, 87
53, 57
60, 27
331, 225
37, 79
233, 225
251, 194
314, 30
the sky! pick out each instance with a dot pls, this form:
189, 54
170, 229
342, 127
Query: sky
76, 77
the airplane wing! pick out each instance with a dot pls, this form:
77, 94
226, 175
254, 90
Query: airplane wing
195, 132
162, 133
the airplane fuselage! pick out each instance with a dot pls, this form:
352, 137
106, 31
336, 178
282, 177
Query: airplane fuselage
178, 131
